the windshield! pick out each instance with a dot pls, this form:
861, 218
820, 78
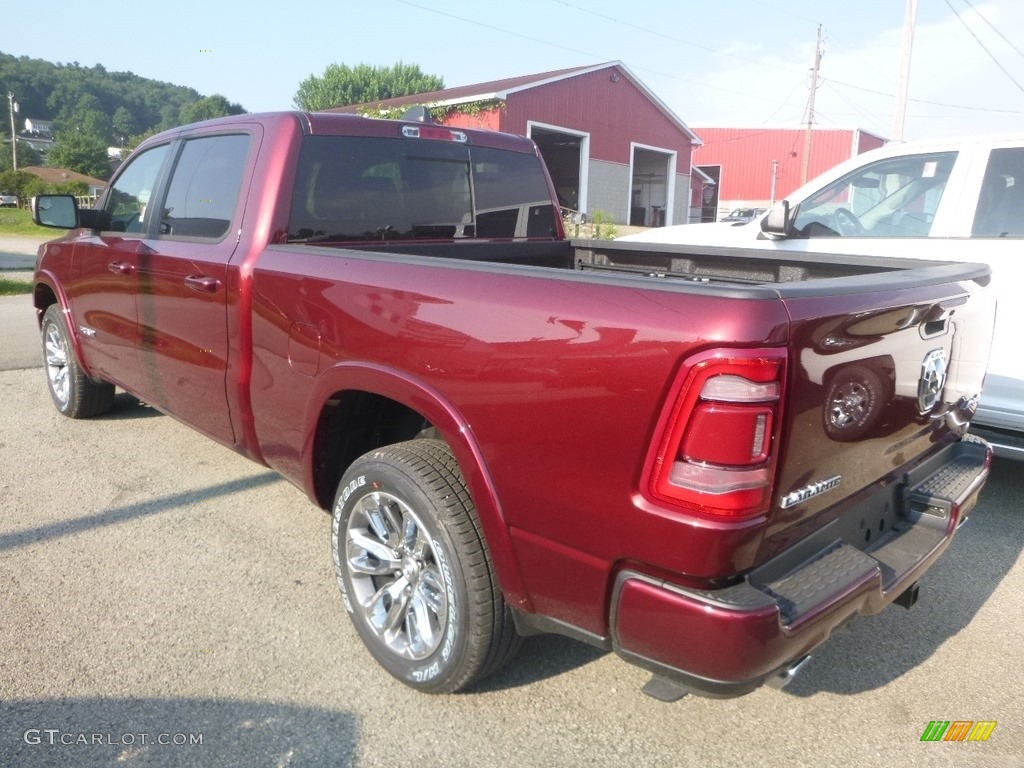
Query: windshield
896, 197
375, 189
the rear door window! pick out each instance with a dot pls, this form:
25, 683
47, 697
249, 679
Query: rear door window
1000, 211
203, 194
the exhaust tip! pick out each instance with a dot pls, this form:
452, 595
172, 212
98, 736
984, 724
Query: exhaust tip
909, 596
785, 677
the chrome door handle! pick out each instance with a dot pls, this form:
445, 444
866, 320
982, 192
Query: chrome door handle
202, 283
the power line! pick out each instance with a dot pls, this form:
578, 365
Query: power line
582, 53
784, 102
857, 110
983, 46
926, 101
500, 29
993, 27
691, 81
673, 38
762, 63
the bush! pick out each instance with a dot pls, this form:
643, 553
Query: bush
26, 186
15, 182
599, 226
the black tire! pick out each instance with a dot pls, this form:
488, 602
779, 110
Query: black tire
73, 393
854, 402
414, 571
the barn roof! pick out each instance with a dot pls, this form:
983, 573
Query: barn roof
502, 89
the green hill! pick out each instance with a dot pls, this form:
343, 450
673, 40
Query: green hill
112, 106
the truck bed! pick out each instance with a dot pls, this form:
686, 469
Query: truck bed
697, 264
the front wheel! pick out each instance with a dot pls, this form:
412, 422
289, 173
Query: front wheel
74, 393
414, 570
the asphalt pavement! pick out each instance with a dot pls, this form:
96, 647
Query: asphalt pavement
19, 334
18, 251
165, 602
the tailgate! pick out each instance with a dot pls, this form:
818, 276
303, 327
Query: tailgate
876, 381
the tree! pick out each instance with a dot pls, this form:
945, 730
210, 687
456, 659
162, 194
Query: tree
208, 108
80, 152
64, 94
15, 182
27, 155
123, 123
132, 142
341, 85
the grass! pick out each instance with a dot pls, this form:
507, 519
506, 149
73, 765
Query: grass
16, 221
14, 287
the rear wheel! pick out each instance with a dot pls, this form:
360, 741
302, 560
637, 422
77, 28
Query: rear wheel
74, 393
414, 570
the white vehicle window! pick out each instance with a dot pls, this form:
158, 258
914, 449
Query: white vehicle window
1000, 210
896, 197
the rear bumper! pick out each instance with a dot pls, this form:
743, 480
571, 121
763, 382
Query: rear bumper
727, 642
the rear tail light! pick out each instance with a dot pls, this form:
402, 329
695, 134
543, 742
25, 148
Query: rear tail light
716, 454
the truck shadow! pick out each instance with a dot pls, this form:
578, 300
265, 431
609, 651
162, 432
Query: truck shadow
128, 407
91, 732
140, 509
872, 651
541, 657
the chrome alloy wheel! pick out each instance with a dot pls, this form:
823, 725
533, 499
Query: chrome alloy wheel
850, 404
397, 583
57, 364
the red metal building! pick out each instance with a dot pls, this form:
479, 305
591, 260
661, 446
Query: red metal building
753, 167
609, 142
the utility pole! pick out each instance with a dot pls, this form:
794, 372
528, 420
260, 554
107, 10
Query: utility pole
775, 176
810, 107
13, 106
903, 80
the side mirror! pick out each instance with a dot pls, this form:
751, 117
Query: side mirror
62, 212
778, 222
56, 211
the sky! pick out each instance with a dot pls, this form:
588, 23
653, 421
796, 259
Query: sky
713, 63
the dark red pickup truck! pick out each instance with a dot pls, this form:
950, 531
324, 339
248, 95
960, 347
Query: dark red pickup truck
704, 460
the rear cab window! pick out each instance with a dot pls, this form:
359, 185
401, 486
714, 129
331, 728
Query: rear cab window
895, 197
1000, 211
365, 189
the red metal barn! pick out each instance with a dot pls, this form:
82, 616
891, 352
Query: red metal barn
750, 164
610, 144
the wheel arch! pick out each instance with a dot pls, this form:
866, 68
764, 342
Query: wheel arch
47, 291
362, 406
882, 366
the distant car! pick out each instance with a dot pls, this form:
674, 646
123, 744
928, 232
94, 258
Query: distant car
8, 201
742, 215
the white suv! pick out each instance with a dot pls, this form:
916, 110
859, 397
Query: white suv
944, 200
